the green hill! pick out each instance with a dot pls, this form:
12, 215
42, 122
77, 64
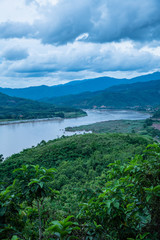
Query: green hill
117, 201
78, 159
13, 108
137, 95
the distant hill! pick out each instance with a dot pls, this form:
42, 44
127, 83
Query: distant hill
12, 108
140, 94
75, 87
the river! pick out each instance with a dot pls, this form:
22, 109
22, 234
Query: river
18, 136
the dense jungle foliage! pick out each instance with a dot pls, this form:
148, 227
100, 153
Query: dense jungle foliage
12, 108
98, 186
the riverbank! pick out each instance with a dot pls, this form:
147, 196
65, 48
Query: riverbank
8, 122
142, 127
28, 121
18, 135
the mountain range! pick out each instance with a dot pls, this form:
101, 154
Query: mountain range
75, 87
136, 95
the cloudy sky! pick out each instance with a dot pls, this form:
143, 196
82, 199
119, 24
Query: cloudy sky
55, 41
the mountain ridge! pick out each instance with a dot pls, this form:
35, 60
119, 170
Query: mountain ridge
74, 87
140, 94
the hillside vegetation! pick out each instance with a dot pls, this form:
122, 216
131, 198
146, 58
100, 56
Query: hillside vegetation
77, 150
157, 114
119, 201
112, 126
140, 95
142, 127
12, 108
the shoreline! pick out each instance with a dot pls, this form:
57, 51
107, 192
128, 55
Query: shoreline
10, 122
29, 120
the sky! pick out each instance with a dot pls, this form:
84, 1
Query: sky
50, 42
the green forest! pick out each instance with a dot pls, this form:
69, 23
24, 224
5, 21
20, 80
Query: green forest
91, 186
156, 114
13, 108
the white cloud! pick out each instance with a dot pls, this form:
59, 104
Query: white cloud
47, 64
53, 41
17, 11
82, 37
46, 2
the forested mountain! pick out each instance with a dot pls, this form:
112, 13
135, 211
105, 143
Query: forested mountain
19, 108
136, 95
75, 87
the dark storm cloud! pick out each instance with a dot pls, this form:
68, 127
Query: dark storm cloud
103, 20
127, 19
15, 54
66, 22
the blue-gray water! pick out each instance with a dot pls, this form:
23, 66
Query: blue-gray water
16, 137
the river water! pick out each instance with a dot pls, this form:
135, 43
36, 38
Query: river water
18, 136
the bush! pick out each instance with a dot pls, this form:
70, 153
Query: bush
129, 204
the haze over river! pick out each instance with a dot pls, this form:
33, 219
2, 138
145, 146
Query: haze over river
18, 136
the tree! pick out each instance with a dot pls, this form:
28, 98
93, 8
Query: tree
1, 158
61, 229
128, 208
26, 196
